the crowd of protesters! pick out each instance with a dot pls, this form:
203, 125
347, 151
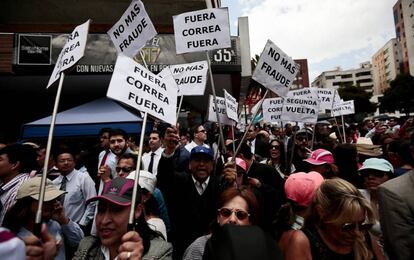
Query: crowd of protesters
322, 191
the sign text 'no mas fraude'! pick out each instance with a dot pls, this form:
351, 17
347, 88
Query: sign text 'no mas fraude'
72, 51
139, 88
202, 30
275, 70
132, 30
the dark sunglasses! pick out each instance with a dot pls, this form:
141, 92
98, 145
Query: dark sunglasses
124, 169
349, 227
240, 214
378, 174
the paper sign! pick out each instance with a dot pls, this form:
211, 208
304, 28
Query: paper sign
275, 70
326, 97
221, 111
231, 106
191, 78
343, 108
139, 88
72, 51
272, 109
303, 93
303, 110
133, 30
202, 30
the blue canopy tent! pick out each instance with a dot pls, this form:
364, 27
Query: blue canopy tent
86, 120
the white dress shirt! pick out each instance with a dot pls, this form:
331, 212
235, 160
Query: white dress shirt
201, 187
80, 187
252, 145
146, 158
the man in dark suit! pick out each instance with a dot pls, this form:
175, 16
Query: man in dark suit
191, 195
396, 208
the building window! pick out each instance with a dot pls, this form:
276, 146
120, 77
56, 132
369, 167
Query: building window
346, 76
330, 77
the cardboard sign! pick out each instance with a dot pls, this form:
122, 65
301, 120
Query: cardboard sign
326, 97
202, 30
72, 52
231, 106
303, 110
343, 108
139, 88
272, 109
221, 105
275, 70
191, 78
133, 30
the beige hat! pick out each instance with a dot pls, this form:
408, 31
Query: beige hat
146, 180
32, 188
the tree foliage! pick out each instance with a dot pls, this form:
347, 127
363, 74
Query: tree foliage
400, 96
361, 100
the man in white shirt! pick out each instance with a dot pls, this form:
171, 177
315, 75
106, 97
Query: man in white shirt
79, 187
199, 134
150, 160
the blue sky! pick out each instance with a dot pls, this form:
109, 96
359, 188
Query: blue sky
329, 33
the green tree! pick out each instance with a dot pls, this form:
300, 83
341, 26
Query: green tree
400, 96
361, 101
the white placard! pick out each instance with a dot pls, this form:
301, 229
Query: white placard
231, 106
303, 93
275, 70
343, 108
72, 51
272, 109
139, 88
132, 30
303, 110
191, 78
326, 97
202, 30
221, 111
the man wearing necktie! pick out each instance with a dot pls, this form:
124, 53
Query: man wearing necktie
150, 160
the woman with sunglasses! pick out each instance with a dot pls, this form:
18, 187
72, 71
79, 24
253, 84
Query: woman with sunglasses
375, 172
337, 225
277, 158
237, 206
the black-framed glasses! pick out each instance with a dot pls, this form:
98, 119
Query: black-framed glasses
349, 227
378, 174
124, 169
227, 212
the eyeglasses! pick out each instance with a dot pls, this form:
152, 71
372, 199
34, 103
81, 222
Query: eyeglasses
240, 214
349, 227
378, 174
124, 169
301, 139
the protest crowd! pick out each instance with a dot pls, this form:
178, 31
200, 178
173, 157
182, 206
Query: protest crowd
303, 193
221, 189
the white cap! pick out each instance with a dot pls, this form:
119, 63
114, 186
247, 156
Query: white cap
147, 180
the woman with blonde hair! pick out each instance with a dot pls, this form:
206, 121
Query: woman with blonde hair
337, 225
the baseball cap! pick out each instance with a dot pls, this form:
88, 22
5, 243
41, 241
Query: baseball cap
377, 164
301, 187
201, 150
304, 131
240, 162
31, 188
146, 180
118, 191
320, 156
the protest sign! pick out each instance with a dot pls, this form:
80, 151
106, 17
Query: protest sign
275, 70
303, 110
139, 88
343, 108
72, 51
231, 106
303, 93
221, 106
326, 97
202, 30
132, 30
191, 78
272, 109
